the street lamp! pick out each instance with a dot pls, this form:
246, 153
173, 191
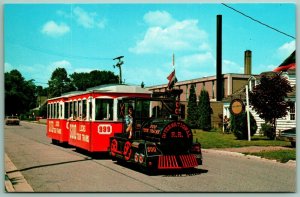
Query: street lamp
119, 64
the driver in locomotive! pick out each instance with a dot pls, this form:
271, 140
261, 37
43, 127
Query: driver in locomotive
129, 121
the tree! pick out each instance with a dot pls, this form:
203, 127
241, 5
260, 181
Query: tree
20, 94
82, 81
204, 111
192, 108
59, 83
268, 98
239, 126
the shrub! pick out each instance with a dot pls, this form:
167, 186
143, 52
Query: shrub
204, 111
268, 130
239, 126
192, 115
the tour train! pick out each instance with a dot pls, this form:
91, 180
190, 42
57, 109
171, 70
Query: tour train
94, 120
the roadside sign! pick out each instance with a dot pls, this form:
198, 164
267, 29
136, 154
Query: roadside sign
236, 106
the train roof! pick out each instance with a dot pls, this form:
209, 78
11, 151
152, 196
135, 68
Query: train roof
110, 88
119, 88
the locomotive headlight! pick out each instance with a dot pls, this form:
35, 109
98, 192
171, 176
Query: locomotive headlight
136, 157
141, 158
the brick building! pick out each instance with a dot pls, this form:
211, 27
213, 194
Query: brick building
231, 83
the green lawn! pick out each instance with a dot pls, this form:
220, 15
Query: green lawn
279, 155
219, 140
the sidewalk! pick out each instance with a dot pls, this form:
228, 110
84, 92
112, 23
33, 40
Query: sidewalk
14, 180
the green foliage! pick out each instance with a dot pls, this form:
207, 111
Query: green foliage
82, 81
20, 94
219, 140
192, 114
268, 98
282, 156
59, 83
204, 111
268, 130
239, 127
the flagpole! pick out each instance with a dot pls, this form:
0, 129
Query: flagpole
173, 60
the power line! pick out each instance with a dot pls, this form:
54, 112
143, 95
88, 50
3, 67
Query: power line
258, 21
49, 52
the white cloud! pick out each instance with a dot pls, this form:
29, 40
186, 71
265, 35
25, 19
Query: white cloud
195, 66
271, 67
88, 19
166, 34
286, 49
53, 29
60, 64
63, 14
196, 60
158, 18
231, 67
7, 67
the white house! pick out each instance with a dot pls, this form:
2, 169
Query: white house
286, 122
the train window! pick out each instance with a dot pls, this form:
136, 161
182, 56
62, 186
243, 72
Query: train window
72, 110
66, 110
79, 109
61, 110
90, 108
57, 110
84, 110
52, 110
75, 109
123, 108
48, 111
104, 109
142, 109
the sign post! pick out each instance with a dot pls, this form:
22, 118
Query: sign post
248, 113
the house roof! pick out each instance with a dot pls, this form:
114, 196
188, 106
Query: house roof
288, 64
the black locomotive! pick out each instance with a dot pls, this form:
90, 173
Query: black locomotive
160, 142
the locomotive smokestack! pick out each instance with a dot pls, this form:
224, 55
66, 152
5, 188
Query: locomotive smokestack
219, 91
247, 62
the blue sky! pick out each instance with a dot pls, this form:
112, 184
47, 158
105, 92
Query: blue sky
82, 37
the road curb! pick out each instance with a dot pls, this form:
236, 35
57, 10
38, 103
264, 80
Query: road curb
14, 180
237, 154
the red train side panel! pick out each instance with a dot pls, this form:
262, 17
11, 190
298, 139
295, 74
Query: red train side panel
93, 136
57, 130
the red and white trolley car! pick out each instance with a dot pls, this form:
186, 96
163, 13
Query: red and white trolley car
87, 119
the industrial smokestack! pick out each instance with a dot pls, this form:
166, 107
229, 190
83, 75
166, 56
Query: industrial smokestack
247, 62
219, 91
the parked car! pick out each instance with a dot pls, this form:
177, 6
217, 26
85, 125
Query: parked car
12, 120
288, 135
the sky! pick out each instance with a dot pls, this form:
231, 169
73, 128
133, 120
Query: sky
38, 38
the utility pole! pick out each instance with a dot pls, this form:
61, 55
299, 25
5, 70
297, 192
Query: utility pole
119, 64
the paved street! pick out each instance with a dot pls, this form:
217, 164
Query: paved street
50, 168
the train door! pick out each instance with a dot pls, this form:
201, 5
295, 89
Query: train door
141, 112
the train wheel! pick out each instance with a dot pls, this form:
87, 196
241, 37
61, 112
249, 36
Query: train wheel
127, 151
113, 147
54, 141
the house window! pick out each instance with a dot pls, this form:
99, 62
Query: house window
292, 111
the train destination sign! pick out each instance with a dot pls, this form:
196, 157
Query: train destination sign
236, 106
